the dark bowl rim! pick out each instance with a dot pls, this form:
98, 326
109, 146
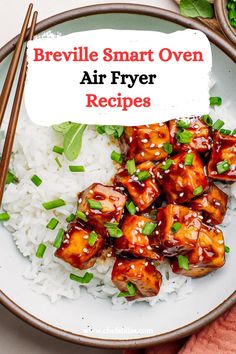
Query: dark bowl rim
221, 15
184, 331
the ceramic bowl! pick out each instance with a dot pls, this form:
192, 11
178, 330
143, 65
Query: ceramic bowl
94, 322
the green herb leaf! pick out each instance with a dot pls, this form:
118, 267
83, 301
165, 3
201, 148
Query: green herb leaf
73, 141
196, 8
183, 262
115, 130
227, 249
63, 127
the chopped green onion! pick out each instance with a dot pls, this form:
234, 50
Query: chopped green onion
52, 224
183, 262
227, 249
166, 164
36, 180
94, 204
58, 162
130, 165
76, 168
176, 227
222, 167
218, 124
11, 178
115, 156
225, 131
198, 190
234, 132
92, 238
54, 204
183, 124
100, 129
208, 120
40, 250
84, 280
215, 101
184, 137
70, 218
59, 238
143, 175
130, 206
113, 229
81, 215
188, 159
148, 228
168, 148
131, 291
58, 149
4, 217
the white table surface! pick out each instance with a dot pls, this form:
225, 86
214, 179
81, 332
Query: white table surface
16, 337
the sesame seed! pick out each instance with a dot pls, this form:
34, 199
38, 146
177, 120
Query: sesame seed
140, 251
181, 165
142, 153
146, 264
132, 266
85, 250
181, 194
119, 264
144, 141
152, 145
157, 153
160, 145
80, 200
130, 139
85, 237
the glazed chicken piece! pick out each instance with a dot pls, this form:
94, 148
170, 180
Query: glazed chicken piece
208, 255
179, 228
101, 204
182, 177
76, 249
141, 273
222, 164
145, 142
213, 204
198, 135
136, 240
142, 191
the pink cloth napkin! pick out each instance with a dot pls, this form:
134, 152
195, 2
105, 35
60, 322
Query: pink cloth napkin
217, 338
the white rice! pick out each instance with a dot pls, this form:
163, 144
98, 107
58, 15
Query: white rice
32, 154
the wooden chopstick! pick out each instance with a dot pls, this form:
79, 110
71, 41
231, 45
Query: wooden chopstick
7, 149
13, 66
